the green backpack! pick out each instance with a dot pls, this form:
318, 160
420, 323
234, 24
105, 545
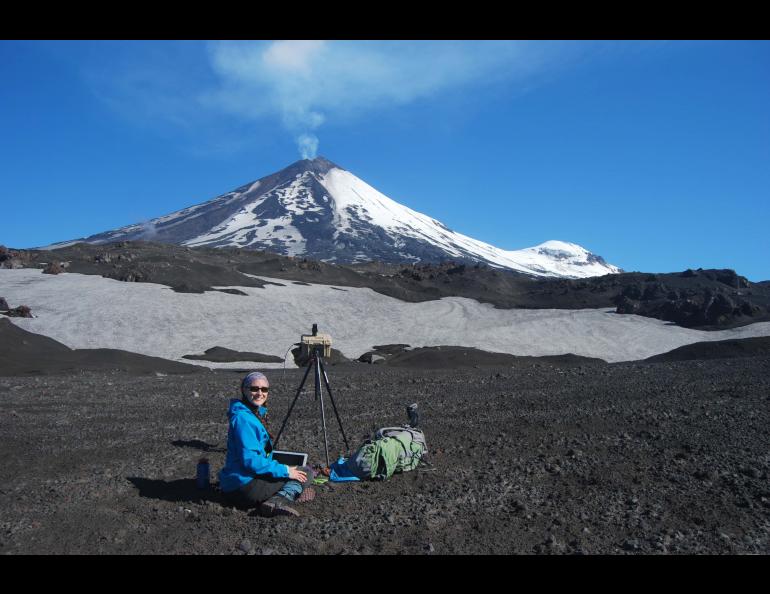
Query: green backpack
391, 450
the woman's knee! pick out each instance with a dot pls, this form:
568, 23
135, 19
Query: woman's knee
309, 472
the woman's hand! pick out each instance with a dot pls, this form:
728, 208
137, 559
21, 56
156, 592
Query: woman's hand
297, 475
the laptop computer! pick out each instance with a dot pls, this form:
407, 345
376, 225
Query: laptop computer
290, 458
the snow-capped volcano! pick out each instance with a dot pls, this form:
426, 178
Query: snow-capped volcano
315, 209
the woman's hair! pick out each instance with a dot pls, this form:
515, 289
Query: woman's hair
246, 383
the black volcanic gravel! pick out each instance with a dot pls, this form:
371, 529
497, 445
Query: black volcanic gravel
629, 458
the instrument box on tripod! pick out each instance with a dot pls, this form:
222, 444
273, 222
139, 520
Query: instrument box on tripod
310, 342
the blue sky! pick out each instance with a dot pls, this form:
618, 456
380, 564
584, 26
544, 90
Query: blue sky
654, 155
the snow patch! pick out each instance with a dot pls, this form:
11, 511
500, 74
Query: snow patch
89, 311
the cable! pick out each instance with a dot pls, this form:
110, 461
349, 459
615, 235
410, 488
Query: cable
284, 359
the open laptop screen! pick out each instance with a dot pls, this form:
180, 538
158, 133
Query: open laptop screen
290, 458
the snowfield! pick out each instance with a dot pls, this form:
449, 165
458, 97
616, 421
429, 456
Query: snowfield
87, 311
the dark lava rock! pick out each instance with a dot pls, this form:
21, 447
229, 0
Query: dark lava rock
220, 354
726, 277
706, 299
382, 353
246, 546
371, 357
23, 311
3, 304
54, 267
628, 305
391, 349
15, 258
448, 357
132, 275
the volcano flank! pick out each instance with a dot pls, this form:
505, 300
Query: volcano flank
315, 209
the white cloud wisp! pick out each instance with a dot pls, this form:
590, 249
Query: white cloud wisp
308, 82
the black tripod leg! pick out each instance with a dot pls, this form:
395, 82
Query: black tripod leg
319, 395
291, 408
329, 389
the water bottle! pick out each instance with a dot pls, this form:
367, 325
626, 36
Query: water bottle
202, 479
414, 416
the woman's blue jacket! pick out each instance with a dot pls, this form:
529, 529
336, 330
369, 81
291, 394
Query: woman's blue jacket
247, 441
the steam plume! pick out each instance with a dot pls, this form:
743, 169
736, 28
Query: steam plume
308, 146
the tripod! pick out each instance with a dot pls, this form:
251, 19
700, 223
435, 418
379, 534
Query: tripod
316, 362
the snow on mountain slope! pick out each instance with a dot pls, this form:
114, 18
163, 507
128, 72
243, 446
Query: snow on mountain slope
318, 210
356, 200
88, 311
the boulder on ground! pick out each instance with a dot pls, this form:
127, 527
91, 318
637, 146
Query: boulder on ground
13, 259
22, 311
718, 307
381, 353
371, 357
11, 263
3, 303
627, 305
128, 275
54, 267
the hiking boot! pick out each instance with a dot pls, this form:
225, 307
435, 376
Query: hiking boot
308, 494
277, 505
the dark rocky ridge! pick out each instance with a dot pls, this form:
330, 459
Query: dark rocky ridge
695, 298
458, 357
629, 458
719, 349
27, 353
219, 354
703, 299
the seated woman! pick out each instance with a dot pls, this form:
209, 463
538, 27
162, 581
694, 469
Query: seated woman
250, 477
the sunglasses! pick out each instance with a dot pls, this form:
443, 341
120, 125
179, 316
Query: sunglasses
263, 389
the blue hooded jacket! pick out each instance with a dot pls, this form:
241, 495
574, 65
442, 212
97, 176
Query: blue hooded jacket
247, 441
